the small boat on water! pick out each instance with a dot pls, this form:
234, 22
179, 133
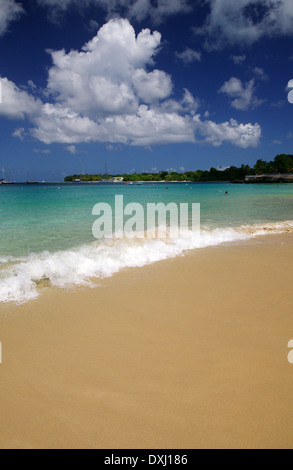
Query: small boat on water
31, 182
7, 182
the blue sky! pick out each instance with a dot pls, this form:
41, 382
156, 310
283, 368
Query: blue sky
144, 85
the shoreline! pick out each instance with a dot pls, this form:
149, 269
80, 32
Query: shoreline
189, 352
88, 264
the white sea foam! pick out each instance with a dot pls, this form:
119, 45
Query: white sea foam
6, 259
20, 279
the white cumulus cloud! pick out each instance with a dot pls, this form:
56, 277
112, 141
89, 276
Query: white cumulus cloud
110, 92
241, 135
17, 103
153, 86
243, 96
108, 76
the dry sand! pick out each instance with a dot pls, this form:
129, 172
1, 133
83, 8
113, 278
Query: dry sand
187, 353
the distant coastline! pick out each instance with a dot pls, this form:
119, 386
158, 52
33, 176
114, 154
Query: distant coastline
269, 178
280, 170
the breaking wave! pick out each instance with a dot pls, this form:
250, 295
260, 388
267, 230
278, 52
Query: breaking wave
22, 279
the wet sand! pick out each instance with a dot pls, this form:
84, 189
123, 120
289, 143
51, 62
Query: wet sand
186, 353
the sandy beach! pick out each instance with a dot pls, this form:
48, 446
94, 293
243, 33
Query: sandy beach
182, 354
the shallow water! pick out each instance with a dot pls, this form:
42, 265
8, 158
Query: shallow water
46, 230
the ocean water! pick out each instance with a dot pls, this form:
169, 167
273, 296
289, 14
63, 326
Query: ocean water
46, 230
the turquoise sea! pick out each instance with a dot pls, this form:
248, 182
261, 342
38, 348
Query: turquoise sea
46, 229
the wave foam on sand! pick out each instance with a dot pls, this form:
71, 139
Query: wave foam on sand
21, 279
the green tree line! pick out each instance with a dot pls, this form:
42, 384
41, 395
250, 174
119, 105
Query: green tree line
281, 164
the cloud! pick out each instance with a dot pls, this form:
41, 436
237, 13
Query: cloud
278, 104
153, 86
146, 127
71, 149
149, 127
245, 22
109, 92
17, 103
243, 96
138, 10
61, 125
103, 93
156, 11
260, 73
108, 76
241, 135
19, 133
10, 11
113, 148
93, 25
187, 105
189, 56
238, 59
42, 151
32, 85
